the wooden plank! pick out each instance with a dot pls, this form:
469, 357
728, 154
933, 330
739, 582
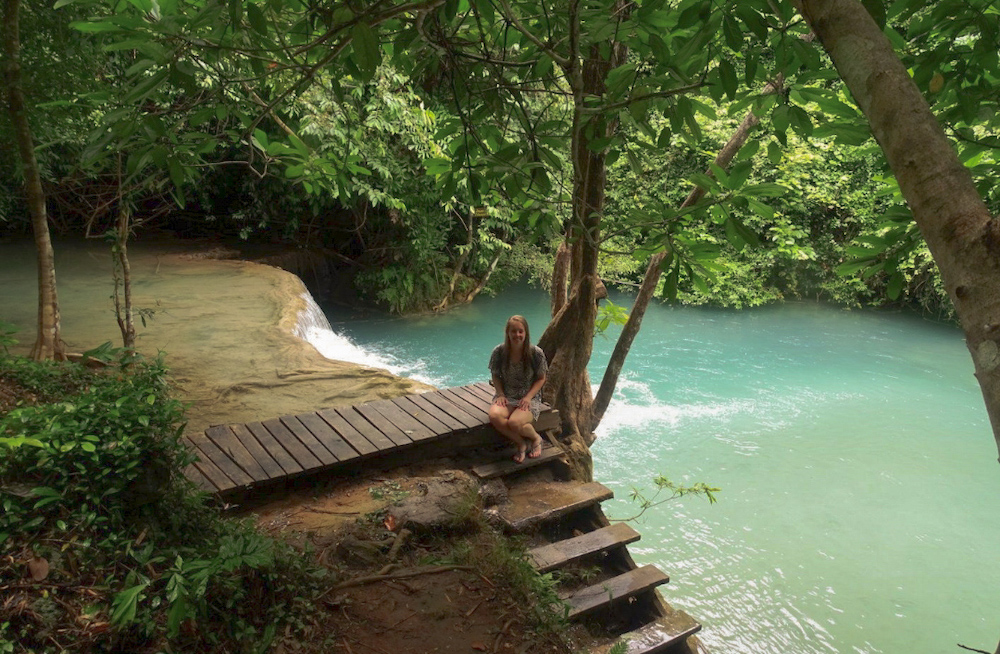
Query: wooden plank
221, 459
391, 431
212, 472
436, 427
564, 552
271, 467
554, 500
306, 459
455, 412
548, 419
603, 594
507, 466
327, 436
227, 441
435, 412
412, 427
360, 444
307, 439
280, 455
199, 479
660, 635
474, 398
367, 429
469, 406
483, 389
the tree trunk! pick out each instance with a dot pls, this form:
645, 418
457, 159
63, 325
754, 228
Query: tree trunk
653, 270
569, 339
48, 344
962, 236
123, 278
560, 277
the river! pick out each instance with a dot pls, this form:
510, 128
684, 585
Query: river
860, 486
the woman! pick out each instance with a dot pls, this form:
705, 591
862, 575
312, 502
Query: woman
518, 369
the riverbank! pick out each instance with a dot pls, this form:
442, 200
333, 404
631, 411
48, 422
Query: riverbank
226, 327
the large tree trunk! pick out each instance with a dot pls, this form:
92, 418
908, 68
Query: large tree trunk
653, 270
569, 339
48, 344
962, 236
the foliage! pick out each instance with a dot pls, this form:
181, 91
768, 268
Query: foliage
503, 560
672, 490
124, 555
7, 340
609, 314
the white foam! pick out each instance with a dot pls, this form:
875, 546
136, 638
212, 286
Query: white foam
314, 328
634, 405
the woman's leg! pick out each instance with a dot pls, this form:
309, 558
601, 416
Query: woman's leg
500, 419
520, 422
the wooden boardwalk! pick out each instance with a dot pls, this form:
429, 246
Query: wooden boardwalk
235, 458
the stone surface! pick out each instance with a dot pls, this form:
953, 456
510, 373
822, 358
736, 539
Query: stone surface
440, 503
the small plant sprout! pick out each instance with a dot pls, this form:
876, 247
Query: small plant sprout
7, 331
609, 314
667, 491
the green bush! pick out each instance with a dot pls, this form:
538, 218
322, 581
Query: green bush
124, 553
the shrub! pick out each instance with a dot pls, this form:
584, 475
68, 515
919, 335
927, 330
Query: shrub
122, 553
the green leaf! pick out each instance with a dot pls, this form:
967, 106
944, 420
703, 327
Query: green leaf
728, 76
125, 603
367, 54
774, 152
705, 182
849, 268
731, 30
256, 18
94, 27
877, 10
895, 286
739, 174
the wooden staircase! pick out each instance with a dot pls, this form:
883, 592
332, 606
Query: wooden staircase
606, 593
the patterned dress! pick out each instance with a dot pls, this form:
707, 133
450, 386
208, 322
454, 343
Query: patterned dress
517, 378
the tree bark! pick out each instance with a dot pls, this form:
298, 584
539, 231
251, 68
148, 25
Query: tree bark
653, 271
48, 344
123, 277
962, 236
560, 277
569, 339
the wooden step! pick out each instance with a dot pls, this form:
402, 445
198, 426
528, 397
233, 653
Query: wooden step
537, 502
556, 555
657, 636
548, 419
602, 595
507, 465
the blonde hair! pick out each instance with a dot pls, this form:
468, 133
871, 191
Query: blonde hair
526, 352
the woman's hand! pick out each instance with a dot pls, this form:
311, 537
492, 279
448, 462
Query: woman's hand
500, 400
524, 404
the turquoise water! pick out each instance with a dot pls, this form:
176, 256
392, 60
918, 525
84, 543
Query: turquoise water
860, 484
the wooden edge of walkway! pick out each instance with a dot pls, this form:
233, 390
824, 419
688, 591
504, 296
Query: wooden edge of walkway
237, 457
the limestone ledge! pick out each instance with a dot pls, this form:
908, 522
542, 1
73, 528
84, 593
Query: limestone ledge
274, 372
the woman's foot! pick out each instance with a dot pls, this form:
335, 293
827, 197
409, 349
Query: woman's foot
519, 457
536, 449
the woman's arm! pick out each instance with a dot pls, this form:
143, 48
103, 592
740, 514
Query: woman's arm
525, 403
501, 399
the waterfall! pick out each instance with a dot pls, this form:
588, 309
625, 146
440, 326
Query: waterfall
314, 328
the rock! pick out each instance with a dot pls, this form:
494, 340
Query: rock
444, 502
493, 492
354, 551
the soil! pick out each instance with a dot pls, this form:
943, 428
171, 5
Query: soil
417, 605
439, 609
